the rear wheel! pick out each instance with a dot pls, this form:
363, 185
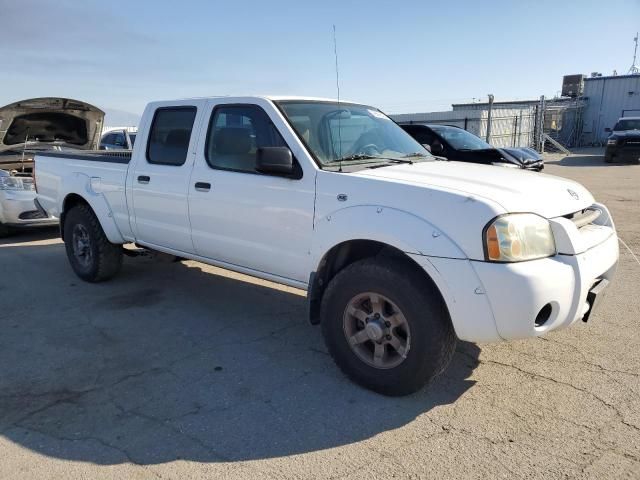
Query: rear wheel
4, 231
386, 326
92, 257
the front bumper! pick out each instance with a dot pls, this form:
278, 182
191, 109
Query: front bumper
18, 209
622, 153
500, 301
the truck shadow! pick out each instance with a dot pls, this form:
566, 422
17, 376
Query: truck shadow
171, 362
25, 235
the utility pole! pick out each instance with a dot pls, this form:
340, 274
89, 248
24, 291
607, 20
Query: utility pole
540, 122
489, 117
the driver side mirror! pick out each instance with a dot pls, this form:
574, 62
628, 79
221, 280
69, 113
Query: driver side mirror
274, 160
608, 130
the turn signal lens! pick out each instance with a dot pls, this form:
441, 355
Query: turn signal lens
518, 237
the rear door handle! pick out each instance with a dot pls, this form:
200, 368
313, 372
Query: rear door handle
144, 179
203, 186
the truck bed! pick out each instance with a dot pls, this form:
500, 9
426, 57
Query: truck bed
109, 156
101, 174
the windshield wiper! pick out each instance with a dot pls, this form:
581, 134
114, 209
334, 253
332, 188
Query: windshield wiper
415, 154
362, 156
355, 156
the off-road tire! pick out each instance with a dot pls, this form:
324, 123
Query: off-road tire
433, 339
4, 231
106, 257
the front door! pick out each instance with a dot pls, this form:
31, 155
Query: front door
240, 216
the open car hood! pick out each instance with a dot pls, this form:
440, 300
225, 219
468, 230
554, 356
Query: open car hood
523, 155
50, 121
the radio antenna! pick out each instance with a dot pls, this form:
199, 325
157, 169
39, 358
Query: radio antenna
335, 53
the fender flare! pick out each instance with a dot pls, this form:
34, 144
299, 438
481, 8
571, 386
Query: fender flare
384, 225
83, 188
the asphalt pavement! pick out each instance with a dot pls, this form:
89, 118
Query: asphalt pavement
181, 370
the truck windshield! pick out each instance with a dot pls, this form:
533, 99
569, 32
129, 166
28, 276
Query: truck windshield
631, 124
337, 133
461, 139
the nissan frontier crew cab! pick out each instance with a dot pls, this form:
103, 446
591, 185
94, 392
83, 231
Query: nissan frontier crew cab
400, 253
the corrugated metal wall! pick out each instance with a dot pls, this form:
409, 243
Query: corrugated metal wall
607, 98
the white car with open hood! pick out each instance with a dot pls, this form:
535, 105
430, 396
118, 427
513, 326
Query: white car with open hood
400, 253
36, 125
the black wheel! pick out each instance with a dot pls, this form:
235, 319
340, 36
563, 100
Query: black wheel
386, 326
90, 253
608, 159
4, 231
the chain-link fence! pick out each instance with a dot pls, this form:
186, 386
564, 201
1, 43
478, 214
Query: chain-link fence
554, 125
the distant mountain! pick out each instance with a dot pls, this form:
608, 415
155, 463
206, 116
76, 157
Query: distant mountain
120, 118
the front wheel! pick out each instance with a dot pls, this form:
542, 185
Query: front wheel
386, 326
92, 257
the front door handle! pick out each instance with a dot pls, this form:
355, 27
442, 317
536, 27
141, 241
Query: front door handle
144, 179
203, 186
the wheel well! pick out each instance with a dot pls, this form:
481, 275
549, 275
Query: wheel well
344, 254
70, 201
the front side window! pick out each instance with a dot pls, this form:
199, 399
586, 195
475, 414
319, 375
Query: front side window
236, 132
170, 134
338, 133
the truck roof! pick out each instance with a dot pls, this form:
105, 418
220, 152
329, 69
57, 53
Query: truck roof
273, 98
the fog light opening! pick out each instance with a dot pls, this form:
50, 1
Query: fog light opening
543, 315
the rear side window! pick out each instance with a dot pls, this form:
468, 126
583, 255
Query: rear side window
119, 139
170, 134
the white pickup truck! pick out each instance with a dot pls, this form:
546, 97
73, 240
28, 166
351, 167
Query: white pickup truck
400, 253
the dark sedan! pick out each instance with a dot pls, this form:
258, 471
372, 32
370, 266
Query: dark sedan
457, 144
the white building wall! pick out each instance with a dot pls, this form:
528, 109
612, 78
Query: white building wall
608, 98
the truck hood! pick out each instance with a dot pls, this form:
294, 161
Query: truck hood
513, 190
50, 121
625, 134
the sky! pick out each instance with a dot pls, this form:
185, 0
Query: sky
401, 56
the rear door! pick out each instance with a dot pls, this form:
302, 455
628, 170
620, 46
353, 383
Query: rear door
160, 179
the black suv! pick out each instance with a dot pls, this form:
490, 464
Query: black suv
455, 143
624, 142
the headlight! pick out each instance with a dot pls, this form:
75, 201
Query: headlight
518, 237
612, 141
16, 183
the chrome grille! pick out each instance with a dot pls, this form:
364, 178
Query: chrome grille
584, 217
